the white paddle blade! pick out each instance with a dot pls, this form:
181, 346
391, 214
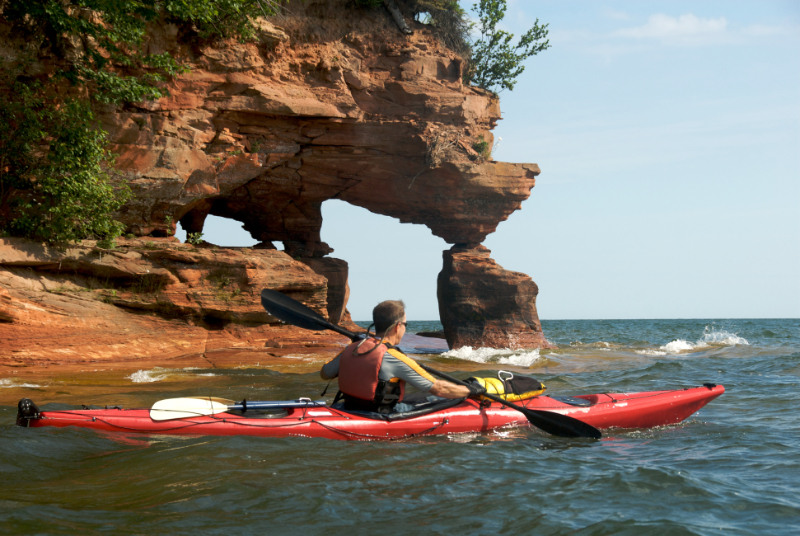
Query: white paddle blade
181, 408
225, 401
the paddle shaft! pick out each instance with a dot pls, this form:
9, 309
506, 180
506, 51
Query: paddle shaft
276, 404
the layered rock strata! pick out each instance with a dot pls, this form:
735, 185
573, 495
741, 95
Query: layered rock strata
343, 108
149, 299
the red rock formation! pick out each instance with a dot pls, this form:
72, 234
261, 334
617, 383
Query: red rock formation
206, 284
481, 304
335, 272
336, 104
340, 106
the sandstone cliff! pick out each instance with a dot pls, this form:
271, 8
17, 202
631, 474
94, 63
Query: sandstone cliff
332, 103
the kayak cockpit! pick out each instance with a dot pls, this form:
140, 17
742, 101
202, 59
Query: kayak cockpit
419, 410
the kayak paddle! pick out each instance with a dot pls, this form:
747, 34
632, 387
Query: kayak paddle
181, 408
295, 313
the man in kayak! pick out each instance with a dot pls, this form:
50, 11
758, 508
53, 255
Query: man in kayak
373, 373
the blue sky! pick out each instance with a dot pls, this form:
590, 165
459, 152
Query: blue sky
668, 134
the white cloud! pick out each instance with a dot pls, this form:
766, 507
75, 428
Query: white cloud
686, 29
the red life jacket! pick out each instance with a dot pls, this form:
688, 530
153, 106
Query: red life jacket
358, 373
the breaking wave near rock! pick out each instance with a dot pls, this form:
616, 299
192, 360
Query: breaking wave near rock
520, 358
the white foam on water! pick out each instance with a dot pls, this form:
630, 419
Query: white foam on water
209, 374
679, 345
148, 376
525, 359
467, 353
710, 337
599, 345
8, 383
650, 351
462, 438
723, 338
520, 358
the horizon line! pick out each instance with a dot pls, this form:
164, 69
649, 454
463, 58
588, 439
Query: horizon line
664, 318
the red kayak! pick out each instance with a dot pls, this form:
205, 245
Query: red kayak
603, 411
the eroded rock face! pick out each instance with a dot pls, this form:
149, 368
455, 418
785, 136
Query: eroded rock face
206, 284
334, 104
337, 105
483, 305
149, 299
343, 107
335, 272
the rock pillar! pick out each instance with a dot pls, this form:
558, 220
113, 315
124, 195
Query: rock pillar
483, 305
335, 271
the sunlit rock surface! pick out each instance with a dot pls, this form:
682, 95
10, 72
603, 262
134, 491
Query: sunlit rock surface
149, 300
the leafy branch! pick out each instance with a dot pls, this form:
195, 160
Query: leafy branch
496, 61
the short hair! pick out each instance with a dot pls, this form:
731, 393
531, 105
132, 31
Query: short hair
386, 314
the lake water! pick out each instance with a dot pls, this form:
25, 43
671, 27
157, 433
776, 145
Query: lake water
733, 468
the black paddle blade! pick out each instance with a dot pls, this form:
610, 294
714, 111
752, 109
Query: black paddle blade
559, 425
295, 313
291, 311
547, 421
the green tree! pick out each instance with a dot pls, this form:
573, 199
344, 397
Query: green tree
496, 62
54, 180
100, 41
54, 184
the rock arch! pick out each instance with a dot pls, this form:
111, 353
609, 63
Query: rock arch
349, 110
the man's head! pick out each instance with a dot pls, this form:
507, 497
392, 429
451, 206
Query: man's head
388, 313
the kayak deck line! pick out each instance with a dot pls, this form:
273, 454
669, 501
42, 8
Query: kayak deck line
228, 420
607, 410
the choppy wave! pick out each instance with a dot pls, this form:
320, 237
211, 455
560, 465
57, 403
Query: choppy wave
601, 345
651, 351
148, 376
723, 338
520, 358
9, 382
711, 337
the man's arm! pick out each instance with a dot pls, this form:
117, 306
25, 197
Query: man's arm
397, 364
330, 370
448, 390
